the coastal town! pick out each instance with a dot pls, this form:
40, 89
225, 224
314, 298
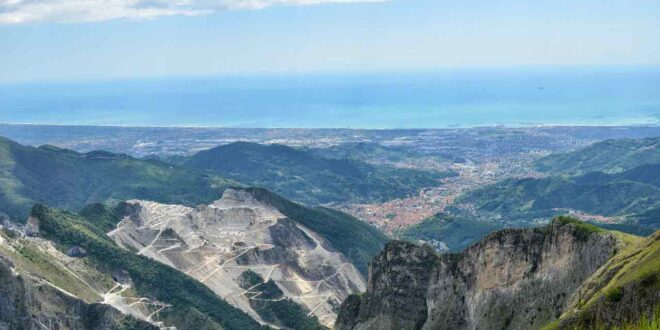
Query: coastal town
401, 213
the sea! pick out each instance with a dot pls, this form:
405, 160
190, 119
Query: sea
445, 98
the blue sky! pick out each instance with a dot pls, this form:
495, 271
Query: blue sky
53, 40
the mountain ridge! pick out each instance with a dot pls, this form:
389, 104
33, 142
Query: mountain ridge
514, 278
609, 156
67, 179
304, 176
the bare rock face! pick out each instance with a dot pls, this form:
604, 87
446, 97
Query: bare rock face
625, 291
32, 227
217, 243
514, 279
76, 252
399, 278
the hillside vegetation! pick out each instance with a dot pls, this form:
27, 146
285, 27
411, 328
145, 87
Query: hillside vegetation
632, 196
458, 232
631, 199
610, 156
69, 180
376, 153
272, 305
364, 151
307, 177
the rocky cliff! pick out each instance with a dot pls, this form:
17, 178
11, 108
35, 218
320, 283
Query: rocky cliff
624, 292
222, 243
515, 279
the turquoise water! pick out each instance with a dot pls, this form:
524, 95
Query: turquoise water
450, 98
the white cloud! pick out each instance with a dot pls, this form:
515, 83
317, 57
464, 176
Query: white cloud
64, 11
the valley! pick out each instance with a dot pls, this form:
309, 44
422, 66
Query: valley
398, 214
338, 229
329, 165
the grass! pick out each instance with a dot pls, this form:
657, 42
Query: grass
583, 229
30, 259
641, 264
645, 323
635, 265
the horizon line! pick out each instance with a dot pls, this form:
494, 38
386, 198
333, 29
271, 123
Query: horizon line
539, 125
330, 72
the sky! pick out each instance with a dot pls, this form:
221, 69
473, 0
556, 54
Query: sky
61, 40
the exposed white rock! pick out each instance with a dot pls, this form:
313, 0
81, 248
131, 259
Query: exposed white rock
216, 243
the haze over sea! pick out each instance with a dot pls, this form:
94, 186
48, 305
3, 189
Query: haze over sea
437, 99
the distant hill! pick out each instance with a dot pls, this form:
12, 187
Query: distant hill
68, 179
364, 151
457, 232
631, 197
610, 156
305, 176
624, 194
